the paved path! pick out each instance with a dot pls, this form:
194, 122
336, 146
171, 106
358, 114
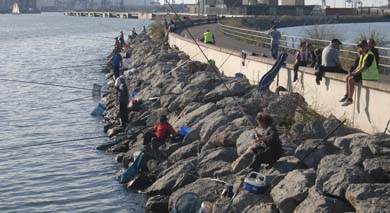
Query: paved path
238, 45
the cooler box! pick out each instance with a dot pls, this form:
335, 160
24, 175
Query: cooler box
255, 183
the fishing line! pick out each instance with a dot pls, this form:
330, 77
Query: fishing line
213, 68
54, 142
67, 67
50, 84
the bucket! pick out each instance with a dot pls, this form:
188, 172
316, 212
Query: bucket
255, 183
98, 111
183, 130
239, 75
133, 94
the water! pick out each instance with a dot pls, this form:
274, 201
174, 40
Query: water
65, 177
345, 32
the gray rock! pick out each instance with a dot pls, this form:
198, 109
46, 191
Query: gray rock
311, 158
158, 203
379, 144
244, 141
243, 162
212, 123
189, 150
344, 142
215, 159
165, 184
293, 189
334, 175
237, 87
314, 129
280, 168
246, 199
378, 168
207, 189
283, 108
195, 116
369, 197
121, 147
359, 155
317, 202
262, 207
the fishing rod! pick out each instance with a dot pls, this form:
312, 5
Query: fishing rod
54, 142
68, 67
213, 68
49, 84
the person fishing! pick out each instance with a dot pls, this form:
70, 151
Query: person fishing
117, 63
267, 146
156, 136
123, 94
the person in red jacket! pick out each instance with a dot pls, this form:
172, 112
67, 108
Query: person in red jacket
156, 136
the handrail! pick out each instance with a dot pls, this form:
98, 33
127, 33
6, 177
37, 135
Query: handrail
251, 34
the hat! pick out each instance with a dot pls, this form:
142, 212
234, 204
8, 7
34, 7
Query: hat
362, 43
163, 118
335, 40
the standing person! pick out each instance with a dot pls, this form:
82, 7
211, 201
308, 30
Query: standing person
275, 36
371, 45
208, 37
266, 146
133, 33
117, 63
301, 59
144, 30
330, 60
118, 82
122, 39
123, 93
366, 69
156, 136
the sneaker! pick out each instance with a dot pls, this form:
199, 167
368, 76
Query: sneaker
347, 102
343, 99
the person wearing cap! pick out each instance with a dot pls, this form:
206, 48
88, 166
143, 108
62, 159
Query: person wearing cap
123, 95
366, 69
157, 135
266, 146
330, 60
122, 38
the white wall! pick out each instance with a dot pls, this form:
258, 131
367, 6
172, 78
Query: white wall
372, 103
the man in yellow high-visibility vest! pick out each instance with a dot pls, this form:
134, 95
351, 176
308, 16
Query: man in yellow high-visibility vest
208, 37
366, 69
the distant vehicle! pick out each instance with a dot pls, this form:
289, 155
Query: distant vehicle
15, 9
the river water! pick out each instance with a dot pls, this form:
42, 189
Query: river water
62, 177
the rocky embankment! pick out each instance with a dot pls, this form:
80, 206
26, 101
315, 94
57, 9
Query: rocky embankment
348, 172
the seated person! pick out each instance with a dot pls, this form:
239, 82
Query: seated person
156, 136
266, 147
365, 69
330, 60
301, 59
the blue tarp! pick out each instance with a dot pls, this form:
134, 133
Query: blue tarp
269, 77
132, 170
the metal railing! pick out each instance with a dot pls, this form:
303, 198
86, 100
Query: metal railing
291, 44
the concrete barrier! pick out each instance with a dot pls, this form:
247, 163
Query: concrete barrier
370, 111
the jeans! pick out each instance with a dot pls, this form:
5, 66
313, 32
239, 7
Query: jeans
123, 113
274, 51
296, 67
322, 70
152, 143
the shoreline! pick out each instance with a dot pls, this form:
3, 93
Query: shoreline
214, 150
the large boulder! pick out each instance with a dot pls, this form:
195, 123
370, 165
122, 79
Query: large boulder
379, 144
243, 162
314, 129
165, 184
245, 139
195, 116
189, 150
237, 87
158, 203
334, 175
293, 189
283, 107
317, 202
245, 199
207, 189
226, 136
378, 168
344, 142
212, 123
312, 151
280, 168
369, 197
213, 160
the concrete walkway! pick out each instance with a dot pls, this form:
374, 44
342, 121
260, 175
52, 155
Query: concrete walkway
238, 45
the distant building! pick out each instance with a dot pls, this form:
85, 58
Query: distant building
256, 2
293, 2
25, 6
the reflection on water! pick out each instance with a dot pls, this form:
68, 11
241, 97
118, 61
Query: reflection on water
63, 177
